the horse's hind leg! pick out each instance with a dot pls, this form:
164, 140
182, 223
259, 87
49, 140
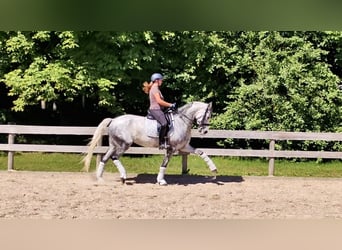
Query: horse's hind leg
101, 166
120, 147
121, 168
111, 153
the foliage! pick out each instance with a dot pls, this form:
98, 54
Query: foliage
290, 87
265, 80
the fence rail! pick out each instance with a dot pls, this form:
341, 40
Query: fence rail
13, 130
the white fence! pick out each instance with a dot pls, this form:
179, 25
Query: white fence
272, 136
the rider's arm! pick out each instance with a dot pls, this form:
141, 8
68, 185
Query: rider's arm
160, 101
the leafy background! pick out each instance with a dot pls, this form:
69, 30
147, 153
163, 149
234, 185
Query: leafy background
257, 80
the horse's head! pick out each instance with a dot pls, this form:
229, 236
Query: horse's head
202, 119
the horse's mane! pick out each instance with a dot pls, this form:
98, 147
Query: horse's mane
187, 106
184, 107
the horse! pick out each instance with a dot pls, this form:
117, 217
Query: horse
124, 130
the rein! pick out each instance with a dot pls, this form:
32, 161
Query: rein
183, 115
202, 123
203, 118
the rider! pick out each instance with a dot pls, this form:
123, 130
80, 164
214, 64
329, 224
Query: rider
157, 104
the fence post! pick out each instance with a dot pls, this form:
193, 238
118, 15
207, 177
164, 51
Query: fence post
185, 163
10, 157
271, 159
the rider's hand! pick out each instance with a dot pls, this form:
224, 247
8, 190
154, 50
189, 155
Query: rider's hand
173, 106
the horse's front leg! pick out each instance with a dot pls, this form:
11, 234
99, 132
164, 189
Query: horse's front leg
162, 169
203, 155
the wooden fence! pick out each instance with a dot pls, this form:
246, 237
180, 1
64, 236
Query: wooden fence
271, 153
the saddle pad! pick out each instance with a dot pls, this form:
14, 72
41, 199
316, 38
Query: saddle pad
152, 128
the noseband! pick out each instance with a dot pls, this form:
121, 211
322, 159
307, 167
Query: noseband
202, 123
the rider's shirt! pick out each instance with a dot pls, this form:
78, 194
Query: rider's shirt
153, 102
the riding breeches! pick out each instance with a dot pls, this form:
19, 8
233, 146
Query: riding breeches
160, 117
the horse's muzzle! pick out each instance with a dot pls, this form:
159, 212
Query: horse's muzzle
203, 130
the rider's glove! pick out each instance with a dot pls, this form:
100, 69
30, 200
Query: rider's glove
173, 106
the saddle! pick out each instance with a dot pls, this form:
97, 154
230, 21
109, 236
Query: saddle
152, 126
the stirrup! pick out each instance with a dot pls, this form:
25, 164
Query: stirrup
164, 145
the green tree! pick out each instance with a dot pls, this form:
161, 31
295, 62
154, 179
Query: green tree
39, 68
292, 88
61, 66
257, 80
289, 87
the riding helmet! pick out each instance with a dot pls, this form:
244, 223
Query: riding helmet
156, 76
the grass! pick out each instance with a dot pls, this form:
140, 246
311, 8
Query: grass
229, 166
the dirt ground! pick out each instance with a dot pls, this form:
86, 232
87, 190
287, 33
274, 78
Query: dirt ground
51, 195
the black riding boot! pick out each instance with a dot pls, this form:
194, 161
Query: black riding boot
162, 138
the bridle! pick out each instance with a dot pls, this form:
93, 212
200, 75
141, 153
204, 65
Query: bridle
202, 123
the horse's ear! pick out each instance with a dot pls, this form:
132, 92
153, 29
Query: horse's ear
210, 105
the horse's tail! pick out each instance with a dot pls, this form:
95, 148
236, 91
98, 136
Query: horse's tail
92, 144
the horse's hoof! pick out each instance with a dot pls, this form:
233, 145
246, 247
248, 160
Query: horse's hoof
123, 180
162, 182
214, 172
100, 180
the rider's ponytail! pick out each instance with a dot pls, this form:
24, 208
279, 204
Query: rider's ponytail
147, 86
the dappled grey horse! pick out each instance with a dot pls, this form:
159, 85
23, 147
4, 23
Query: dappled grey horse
125, 130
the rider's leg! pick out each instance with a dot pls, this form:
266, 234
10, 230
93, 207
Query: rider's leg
160, 117
162, 137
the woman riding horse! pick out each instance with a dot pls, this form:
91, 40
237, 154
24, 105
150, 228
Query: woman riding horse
157, 104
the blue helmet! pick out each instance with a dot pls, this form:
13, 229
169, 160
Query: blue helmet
156, 76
